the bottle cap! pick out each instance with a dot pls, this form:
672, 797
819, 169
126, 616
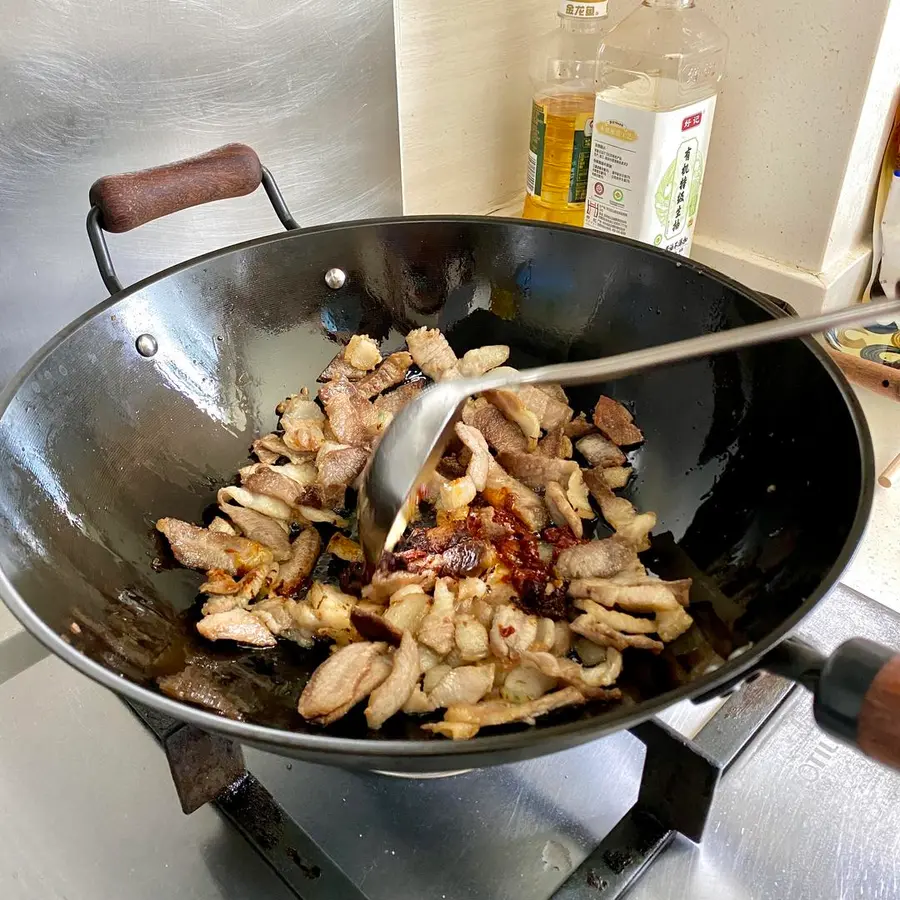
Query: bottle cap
595, 10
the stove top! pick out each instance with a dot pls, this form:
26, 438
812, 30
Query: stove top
88, 809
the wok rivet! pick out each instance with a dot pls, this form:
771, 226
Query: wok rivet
335, 278
146, 345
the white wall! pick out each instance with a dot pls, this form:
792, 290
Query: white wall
800, 126
465, 100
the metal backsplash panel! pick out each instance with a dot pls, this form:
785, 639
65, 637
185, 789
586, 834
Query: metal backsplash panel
93, 88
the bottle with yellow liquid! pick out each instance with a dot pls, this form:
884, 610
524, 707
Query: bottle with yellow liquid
563, 71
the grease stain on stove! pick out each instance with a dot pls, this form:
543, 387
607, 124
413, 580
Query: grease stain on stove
596, 881
556, 856
311, 871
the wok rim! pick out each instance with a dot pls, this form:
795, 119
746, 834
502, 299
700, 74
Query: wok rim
543, 740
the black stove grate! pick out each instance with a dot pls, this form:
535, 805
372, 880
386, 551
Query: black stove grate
677, 789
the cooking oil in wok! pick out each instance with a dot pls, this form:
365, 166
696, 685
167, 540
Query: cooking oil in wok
562, 72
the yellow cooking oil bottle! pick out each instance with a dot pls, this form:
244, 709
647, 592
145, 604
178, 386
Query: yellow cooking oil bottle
658, 73
563, 72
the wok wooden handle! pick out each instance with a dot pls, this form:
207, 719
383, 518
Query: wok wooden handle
858, 699
132, 199
878, 733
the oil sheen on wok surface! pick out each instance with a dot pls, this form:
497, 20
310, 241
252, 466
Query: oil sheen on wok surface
88, 474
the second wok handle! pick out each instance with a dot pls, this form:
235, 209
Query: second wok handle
624, 364
857, 699
123, 202
134, 198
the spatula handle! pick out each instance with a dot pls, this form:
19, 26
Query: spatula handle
623, 364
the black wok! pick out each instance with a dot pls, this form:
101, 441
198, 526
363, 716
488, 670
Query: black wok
758, 463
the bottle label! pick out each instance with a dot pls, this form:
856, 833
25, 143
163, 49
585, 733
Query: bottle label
567, 183
646, 171
583, 10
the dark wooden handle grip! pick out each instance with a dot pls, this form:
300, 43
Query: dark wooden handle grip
857, 698
878, 732
132, 199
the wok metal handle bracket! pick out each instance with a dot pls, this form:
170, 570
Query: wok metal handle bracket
123, 202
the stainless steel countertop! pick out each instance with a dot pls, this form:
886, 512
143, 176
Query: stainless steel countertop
87, 810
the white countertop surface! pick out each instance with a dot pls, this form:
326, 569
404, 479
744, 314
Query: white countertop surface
875, 570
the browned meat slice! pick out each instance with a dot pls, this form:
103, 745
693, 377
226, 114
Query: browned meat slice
303, 422
392, 371
501, 712
362, 353
220, 583
505, 492
431, 352
615, 422
618, 620
388, 698
631, 526
195, 684
499, 432
353, 361
672, 623
292, 574
262, 529
579, 427
341, 465
464, 684
535, 470
512, 632
271, 447
438, 629
456, 494
223, 526
261, 503
551, 412
599, 451
512, 407
198, 548
374, 627
601, 633
456, 731
340, 368
561, 510
444, 551
343, 548
480, 462
617, 476
471, 636
641, 595
555, 444
350, 415
321, 497
596, 559
273, 484
593, 682
236, 625
485, 522
388, 405
483, 359
338, 683
384, 583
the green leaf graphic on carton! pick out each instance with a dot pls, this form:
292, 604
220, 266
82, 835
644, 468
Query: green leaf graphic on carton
696, 182
664, 193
